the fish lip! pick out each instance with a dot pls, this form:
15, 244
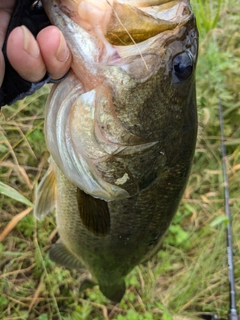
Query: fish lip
169, 13
182, 7
131, 24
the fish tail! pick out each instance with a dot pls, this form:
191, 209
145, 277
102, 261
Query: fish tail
114, 292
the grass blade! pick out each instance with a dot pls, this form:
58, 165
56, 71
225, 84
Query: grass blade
14, 194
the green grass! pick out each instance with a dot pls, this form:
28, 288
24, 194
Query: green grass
189, 275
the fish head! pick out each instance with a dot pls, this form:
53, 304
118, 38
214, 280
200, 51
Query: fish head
128, 105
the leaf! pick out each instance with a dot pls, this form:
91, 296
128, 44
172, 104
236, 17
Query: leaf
14, 194
167, 316
219, 220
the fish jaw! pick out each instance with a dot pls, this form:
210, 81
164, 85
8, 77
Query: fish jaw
109, 20
120, 102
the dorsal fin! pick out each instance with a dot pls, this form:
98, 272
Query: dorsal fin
61, 255
45, 195
94, 213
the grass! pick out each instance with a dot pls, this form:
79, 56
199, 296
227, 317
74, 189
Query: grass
189, 275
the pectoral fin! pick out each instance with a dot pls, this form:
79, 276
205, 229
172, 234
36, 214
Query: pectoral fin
61, 255
45, 195
94, 213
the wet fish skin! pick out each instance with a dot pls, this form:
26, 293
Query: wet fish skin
137, 135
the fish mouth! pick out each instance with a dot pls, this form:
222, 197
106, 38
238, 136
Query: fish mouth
125, 22
136, 21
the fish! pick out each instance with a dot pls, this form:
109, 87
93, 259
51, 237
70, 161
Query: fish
121, 131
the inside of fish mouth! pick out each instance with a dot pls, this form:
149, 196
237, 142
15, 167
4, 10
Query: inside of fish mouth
131, 21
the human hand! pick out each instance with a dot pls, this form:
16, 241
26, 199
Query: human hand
31, 57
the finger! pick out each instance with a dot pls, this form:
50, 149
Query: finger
24, 55
5, 14
2, 68
55, 51
6, 10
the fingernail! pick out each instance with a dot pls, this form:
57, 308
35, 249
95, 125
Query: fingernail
62, 53
30, 47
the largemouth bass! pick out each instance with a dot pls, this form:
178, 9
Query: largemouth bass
121, 130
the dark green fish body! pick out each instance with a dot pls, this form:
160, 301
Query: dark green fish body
121, 130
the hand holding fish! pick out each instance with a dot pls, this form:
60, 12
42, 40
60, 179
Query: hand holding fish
31, 57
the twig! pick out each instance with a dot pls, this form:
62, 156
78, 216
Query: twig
4, 275
36, 294
12, 224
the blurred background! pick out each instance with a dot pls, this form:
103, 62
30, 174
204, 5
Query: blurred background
189, 275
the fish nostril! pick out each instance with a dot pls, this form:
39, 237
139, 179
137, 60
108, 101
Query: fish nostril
186, 11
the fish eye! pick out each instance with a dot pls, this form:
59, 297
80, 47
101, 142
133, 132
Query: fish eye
182, 66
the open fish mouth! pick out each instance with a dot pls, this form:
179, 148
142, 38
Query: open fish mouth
126, 22
143, 20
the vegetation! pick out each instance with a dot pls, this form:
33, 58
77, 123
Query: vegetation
186, 278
